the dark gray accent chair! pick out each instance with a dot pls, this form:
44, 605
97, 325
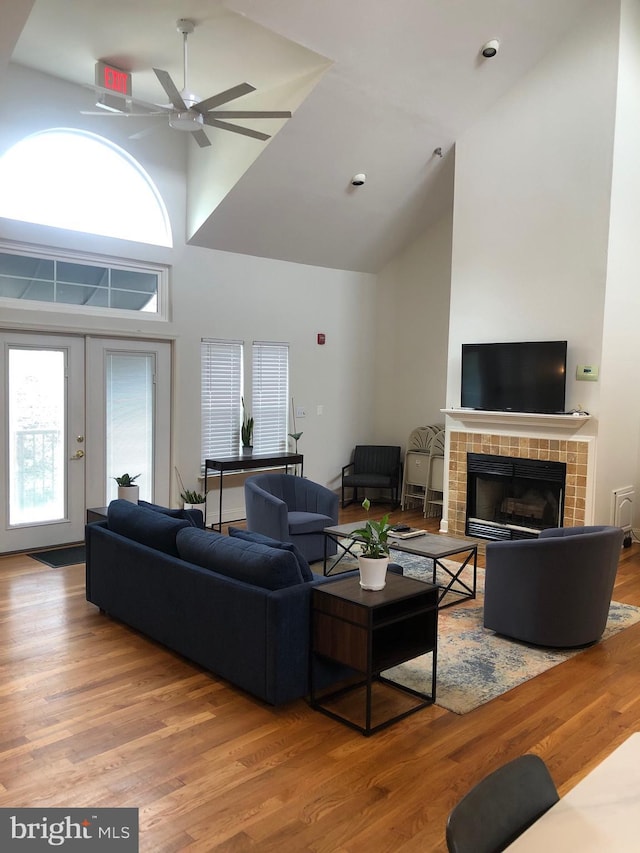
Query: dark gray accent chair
292, 509
374, 466
501, 806
555, 590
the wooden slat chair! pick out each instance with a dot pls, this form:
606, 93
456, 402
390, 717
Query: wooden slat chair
374, 466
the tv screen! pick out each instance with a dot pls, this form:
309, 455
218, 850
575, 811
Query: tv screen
514, 377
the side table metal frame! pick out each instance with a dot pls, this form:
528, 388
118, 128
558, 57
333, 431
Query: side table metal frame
372, 672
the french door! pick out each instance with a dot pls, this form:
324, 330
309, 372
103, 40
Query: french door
77, 412
43, 441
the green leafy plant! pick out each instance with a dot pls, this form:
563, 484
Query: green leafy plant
126, 480
374, 535
247, 427
190, 497
295, 435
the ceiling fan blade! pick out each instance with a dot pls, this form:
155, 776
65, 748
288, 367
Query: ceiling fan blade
146, 131
170, 88
249, 114
126, 99
201, 138
224, 97
126, 115
235, 128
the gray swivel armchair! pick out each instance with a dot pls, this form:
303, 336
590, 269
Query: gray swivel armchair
555, 590
292, 509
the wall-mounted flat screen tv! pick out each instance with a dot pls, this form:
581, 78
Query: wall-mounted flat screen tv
528, 376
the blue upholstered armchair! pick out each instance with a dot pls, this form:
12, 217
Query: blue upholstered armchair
554, 590
291, 509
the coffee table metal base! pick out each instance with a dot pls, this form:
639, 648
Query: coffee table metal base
430, 546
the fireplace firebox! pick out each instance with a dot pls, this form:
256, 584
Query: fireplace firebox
511, 498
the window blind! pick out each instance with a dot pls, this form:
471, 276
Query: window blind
270, 397
221, 389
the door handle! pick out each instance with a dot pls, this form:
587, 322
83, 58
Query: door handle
78, 454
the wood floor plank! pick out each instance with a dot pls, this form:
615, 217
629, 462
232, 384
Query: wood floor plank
93, 713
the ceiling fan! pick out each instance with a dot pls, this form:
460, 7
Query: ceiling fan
187, 112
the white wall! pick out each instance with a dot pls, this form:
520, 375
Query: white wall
531, 209
219, 294
619, 427
215, 294
413, 328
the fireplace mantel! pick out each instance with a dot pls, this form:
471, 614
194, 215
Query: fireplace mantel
476, 416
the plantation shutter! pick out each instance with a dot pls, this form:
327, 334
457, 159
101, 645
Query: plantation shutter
221, 389
270, 399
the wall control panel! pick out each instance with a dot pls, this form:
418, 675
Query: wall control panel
587, 372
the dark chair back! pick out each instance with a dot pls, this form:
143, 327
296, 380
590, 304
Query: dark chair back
376, 459
501, 806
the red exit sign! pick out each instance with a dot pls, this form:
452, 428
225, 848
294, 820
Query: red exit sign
112, 78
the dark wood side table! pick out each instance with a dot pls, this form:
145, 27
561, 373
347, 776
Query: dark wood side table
370, 632
97, 513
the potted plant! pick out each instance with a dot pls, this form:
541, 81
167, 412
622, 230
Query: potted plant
373, 559
246, 431
193, 500
127, 489
190, 498
295, 435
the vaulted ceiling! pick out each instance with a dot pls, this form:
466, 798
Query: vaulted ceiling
374, 87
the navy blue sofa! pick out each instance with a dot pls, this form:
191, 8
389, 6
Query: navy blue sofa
239, 606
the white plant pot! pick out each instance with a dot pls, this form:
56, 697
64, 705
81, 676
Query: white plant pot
129, 493
373, 572
200, 507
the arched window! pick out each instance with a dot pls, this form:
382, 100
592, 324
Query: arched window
78, 180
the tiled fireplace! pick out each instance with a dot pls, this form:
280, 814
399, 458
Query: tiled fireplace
574, 453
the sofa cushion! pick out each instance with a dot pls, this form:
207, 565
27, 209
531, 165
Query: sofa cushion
146, 526
250, 562
251, 536
187, 515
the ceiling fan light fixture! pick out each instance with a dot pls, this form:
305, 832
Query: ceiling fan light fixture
186, 121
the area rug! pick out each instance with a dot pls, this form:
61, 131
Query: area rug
474, 664
57, 558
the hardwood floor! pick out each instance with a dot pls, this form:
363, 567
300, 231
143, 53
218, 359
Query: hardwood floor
94, 714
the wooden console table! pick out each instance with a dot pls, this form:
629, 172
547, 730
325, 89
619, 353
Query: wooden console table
226, 464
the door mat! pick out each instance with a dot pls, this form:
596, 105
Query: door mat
59, 557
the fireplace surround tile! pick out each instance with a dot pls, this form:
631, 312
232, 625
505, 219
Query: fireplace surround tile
573, 453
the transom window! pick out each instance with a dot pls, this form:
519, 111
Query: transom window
80, 181
92, 286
